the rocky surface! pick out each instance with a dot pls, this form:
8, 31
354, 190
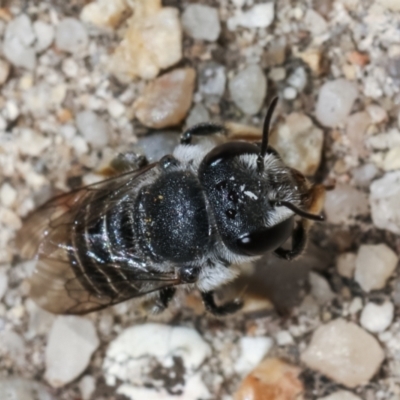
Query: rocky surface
82, 80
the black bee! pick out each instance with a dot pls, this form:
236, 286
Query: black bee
190, 219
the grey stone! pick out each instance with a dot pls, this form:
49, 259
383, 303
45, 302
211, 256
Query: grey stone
201, 22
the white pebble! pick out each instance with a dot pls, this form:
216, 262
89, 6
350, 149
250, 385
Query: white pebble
11, 110
104, 13
71, 36
70, 345
320, 289
44, 34
384, 200
197, 115
376, 318
213, 80
87, 386
252, 351
289, 93
277, 74
298, 79
248, 89
346, 265
258, 16
284, 338
340, 395
201, 22
23, 389
391, 159
93, 128
344, 203
338, 350
374, 265
115, 109
377, 113
363, 175
355, 306
315, 22
335, 101
8, 195
18, 40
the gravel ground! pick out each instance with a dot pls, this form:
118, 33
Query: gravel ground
81, 81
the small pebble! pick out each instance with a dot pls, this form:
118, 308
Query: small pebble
70, 345
355, 306
377, 318
284, 338
104, 13
252, 351
4, 71
23, 389
115, 108
70, 67
335, 101
201, 22
212, 80
392, 5
340, 395
315, 22
289, 93
374, 265
384, 141
277, 74
391, 160
363, 175
44, 35
87, 386
272, 378
258, 16
197, 115
298, 79
376, 113
346, 265
248, 89
71, 36
344, 203
153, 41
167, 100
93, 128
8, 195
18, 40
320, 289
338, 350
356, 128
384, 200
299, 143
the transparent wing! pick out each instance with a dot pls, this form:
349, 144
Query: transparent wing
62, 286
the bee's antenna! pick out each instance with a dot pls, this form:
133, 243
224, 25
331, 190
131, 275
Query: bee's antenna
298, 211
264, 143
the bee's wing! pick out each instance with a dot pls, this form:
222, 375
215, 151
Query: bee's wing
64, 288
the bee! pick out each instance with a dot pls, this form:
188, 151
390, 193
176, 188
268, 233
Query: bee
190, 219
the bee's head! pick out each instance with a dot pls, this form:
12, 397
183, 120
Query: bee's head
253, 194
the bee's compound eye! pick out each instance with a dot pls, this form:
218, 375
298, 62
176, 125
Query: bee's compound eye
189, 274
268, 239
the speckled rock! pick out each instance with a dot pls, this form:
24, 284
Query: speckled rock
337, 350
71, 343
273, 379
153, 41
167, 100
335, 101
201, 22
384, 200
344, 203
299, 143
248, 89
374, 265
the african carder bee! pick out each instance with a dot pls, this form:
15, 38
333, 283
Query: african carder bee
190, 219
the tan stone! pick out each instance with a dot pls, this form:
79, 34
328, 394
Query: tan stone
167, 100
273, 379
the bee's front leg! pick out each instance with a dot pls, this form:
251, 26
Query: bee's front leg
223, 309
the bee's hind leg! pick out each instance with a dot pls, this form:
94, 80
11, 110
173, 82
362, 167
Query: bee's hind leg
223, 309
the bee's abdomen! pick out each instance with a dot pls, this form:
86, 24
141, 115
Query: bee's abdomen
99, 244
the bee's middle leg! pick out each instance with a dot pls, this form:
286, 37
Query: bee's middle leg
163, 300
220, 310
299, 242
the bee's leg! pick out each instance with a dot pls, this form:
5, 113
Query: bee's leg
203, 129
223, 309
299, 242
164, 298
125, 162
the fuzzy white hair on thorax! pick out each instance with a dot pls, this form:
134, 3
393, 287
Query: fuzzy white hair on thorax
193, 154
